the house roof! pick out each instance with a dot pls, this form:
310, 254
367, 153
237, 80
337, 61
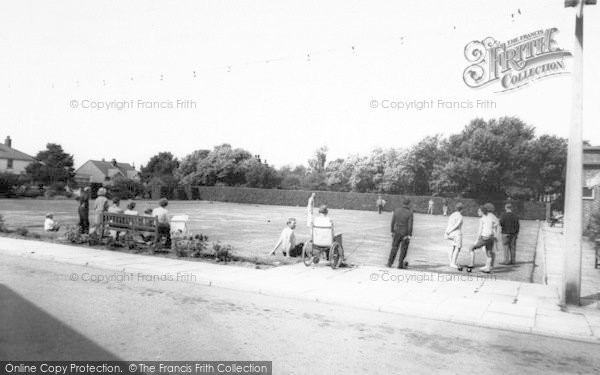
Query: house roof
10, 153
104, 166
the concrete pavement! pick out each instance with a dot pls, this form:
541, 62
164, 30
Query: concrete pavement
466, 298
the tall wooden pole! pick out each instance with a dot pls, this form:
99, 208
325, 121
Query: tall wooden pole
571, 286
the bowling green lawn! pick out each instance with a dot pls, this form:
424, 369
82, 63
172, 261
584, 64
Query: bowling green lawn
253, 230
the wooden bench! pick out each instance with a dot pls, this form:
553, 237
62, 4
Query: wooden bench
132, 223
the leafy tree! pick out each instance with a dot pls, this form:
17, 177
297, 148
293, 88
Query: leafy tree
260, 175
125, 188
337, 175
487, 159
292, 178
317, 163
160, 165
189, 164
420, 161
223, 165
51, 166
546, 165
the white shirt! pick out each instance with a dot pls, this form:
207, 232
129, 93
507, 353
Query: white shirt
287, 239
322, 221
130, 212
455, 222
49, 224
488, 225
162, 214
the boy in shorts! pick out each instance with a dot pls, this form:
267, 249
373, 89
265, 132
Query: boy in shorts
486, 236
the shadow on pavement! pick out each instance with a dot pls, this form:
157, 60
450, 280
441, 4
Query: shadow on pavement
29, 333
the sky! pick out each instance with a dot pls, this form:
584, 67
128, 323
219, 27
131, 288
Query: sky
277, 78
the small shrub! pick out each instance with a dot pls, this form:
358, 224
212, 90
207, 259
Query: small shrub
189, 246
50, 193
22, 231
222, 252
73, 235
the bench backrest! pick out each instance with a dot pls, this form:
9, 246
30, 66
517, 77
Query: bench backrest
134, 222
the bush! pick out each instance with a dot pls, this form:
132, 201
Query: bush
126, 188
29, 192
221, 252
8, 182
74, 235
190, 246
22, 231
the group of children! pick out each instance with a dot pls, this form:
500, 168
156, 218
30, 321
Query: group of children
490, 230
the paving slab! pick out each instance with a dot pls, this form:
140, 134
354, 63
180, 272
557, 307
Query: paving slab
563, 324
512, 309
507, 321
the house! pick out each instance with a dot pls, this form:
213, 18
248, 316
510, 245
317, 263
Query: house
11, 160
98, 171
591, 186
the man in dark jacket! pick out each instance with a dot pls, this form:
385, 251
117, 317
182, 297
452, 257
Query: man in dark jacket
84, 211
402, 227
509, 222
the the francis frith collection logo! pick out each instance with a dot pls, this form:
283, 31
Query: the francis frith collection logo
514, 63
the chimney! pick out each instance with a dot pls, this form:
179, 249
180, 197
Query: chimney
8, 141
114, 162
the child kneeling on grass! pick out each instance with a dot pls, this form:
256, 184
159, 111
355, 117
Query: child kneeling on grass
49, 224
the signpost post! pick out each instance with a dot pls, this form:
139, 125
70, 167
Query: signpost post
571, 286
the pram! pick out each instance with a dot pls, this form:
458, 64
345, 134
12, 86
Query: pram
179, 225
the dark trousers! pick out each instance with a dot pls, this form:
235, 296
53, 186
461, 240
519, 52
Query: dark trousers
509, 241
398, 242
164, 230
379, 208
84, 220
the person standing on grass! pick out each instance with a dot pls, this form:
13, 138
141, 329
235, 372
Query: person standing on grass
445, 207
380, 204
287, 239
430, 207
454, 234
402, 227
509, 222
84, 211
162, 215
487, 235
309, 210
100, 206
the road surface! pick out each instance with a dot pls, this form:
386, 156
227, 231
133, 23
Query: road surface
45, 315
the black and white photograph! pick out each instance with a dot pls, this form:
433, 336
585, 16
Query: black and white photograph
300, 187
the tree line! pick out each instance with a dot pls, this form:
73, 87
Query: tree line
491, 159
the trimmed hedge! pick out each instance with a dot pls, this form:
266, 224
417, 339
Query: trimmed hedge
528, 210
